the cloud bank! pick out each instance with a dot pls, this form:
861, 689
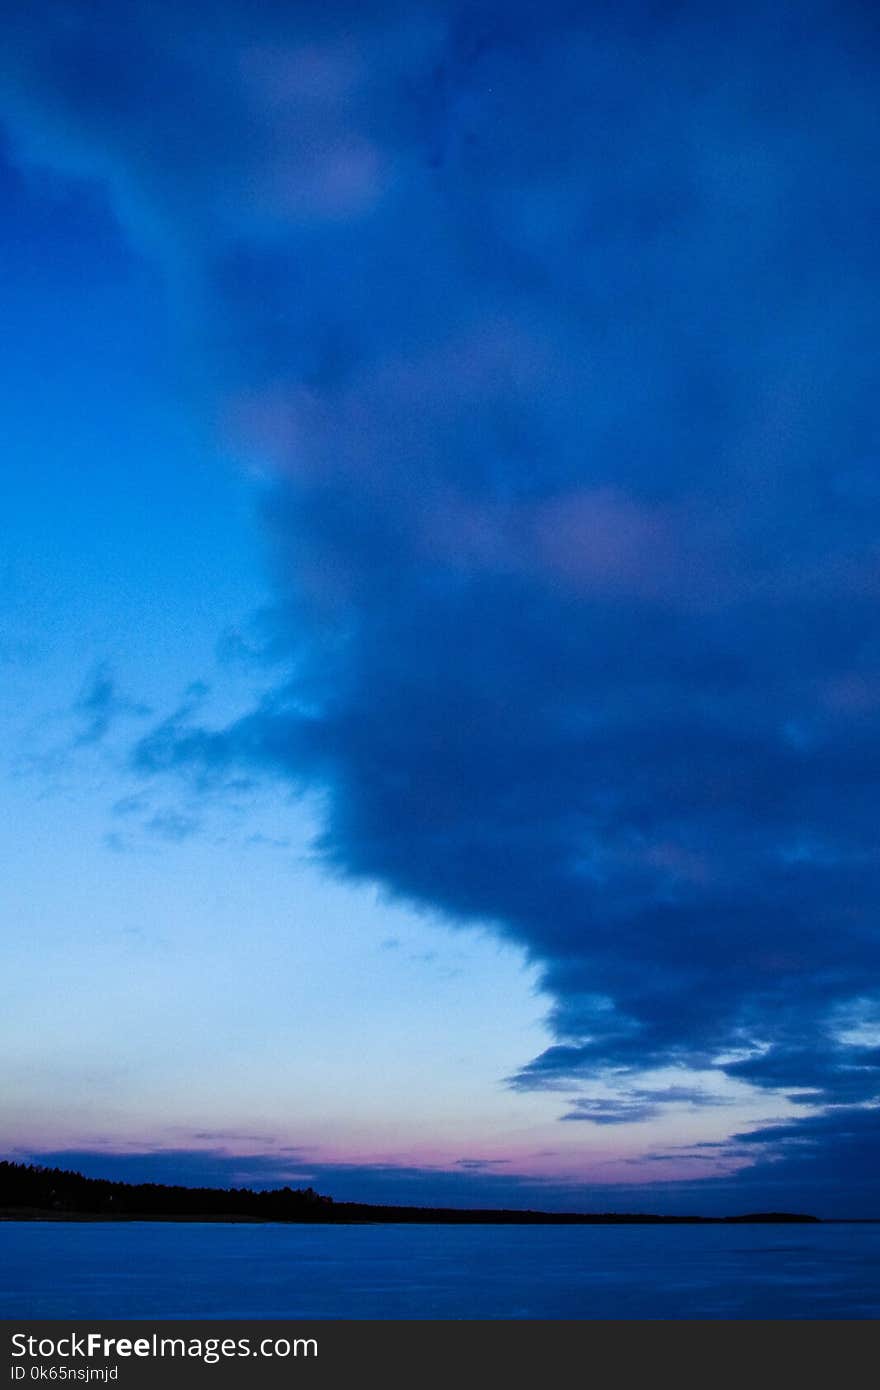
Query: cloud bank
551, 331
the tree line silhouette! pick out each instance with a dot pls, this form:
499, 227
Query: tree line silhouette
59, 1190
28, 1189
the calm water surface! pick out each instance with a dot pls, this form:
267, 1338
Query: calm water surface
200, 1270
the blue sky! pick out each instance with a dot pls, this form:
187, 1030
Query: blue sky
440, 580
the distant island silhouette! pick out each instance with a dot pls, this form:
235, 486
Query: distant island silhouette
31, 1192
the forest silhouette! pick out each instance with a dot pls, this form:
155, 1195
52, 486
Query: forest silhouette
31, 1191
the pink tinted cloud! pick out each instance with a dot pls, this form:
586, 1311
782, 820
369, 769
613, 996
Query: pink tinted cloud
340, 177
852, 694
598, 542
276, 76
312, 160
679, 862
265, 426
603, 541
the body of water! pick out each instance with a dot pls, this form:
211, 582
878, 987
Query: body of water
219, 1270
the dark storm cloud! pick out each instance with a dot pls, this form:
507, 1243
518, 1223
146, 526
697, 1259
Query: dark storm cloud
825, 1162
556, 329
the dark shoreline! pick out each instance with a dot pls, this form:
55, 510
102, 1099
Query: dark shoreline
450, 1217
29, 1192
355, 1214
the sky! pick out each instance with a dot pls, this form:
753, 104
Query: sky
440, 577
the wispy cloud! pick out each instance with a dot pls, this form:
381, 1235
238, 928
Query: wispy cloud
101, 705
